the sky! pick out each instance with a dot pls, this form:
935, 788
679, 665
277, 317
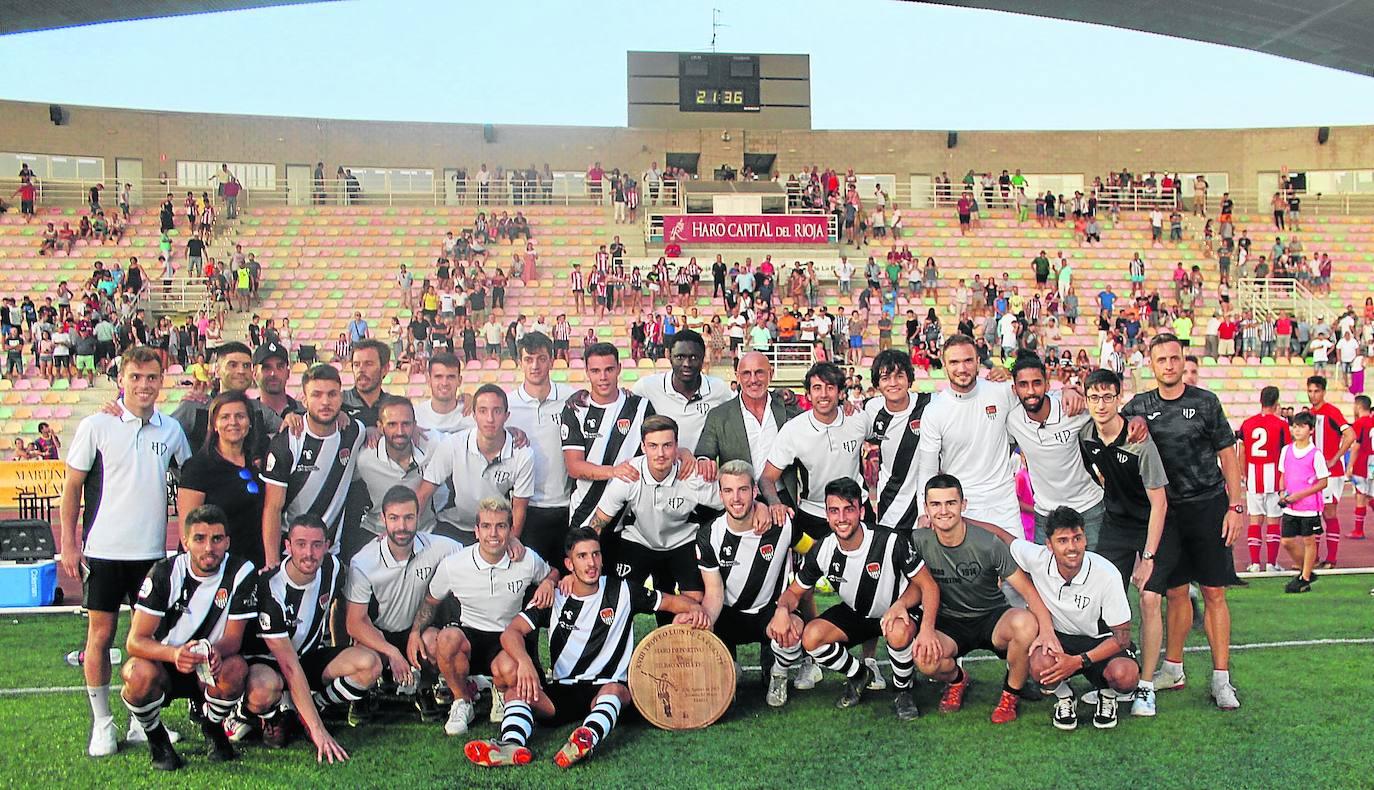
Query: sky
875, 64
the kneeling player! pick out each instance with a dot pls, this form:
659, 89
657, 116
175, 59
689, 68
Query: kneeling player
490, 589
293, 620
880, 580
969, 566
192, 610
591, 637
744, 573
1083, 592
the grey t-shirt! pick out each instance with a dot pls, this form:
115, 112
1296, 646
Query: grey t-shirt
969, 575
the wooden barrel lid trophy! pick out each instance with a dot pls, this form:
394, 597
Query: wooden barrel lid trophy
681, 678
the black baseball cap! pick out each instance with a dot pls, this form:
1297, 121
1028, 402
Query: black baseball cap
267, 351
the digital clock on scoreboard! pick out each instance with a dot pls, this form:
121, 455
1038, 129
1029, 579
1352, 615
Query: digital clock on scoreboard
718, 83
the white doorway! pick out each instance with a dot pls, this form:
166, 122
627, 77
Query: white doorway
299, 179
130, 171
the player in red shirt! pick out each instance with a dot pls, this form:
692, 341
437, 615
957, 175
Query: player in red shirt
1262, 439
1360, 478
1334, 437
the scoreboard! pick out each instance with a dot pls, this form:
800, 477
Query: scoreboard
680, 90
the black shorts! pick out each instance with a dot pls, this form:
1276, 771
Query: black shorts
684, 289
816, 528
1300, 526
971, 633
741, 628
180, 685
671, 569
312, 664
545, 530
856, 627
571, 701
1120, 543
1077, 645
106, 584
1192, 548
482, 648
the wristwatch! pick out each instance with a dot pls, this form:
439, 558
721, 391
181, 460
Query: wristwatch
1147, 555
1087, 662
1237, 508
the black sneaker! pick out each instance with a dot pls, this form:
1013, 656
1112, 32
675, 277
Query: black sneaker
195, 711
361, 711
221, 750
1297, 585
905, 707
1065, 716
1105, 716
428, 707
854, 687
164, 757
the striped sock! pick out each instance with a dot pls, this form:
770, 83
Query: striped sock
1252, 540
1272, 542
605, 711
217, 710
786, 657
903, 666
837, 659
149, 715
517, 723
343, 690
1333, 539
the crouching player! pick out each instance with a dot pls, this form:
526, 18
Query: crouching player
591, 637
297, 656
184, 641
880, 580
1092, 618
744, 573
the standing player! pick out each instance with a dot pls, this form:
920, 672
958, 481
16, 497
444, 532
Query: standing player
744, 573
1361, 479
591, 637
490, 589
311, 472
600, 438
119, 466
1133, 481
192, 609
444, 412
294, 655
1262, 439
1334, 436
1206, 509
1304, 472
969, 566
879, 580
897, 432
536, 408
390, 577
685, 393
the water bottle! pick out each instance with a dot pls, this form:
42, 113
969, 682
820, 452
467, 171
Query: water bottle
78, 657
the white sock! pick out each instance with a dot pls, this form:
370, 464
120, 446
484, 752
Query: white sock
1173, 667
1147, 684
1062, 691
1220, 676
99, 697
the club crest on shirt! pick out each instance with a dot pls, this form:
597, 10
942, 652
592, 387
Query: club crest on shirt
565, 432
515, 586
915, 426
607, 615
623, 425
873, 569
766, 551
324, 601
264, 622
147, 588
344, 454
221, 598
991, 412
1188, 414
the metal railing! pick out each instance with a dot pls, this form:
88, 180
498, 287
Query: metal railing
1267, 297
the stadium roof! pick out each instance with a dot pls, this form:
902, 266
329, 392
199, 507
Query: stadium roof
1334, 33
20, 16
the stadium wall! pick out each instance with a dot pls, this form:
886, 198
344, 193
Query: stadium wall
160, 139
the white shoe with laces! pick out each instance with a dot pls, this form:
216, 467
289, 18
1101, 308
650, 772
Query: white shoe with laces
878, 683
1166, 678
1144, 704
104, 738
460, 715
237, 727
1224, 695
498, 706
808, 675
1254, 567
1273, 567
777, 688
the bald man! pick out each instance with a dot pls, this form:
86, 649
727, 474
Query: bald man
744, 428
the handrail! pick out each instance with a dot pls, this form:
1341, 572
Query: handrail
1267, 297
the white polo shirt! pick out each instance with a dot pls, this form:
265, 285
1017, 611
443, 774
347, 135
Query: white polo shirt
398, 586
1056, 464
661, 508
457, 465
490, 595
827, 452
125, 493
442, 424
1083, 605
690, 413
542, 421
378, 473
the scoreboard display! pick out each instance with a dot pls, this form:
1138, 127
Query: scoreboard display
718, 83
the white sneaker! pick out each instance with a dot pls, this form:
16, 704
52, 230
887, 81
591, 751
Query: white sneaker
777, 688
878, 683
498, 706
459, 717
1254, 567
1144, 704
1273, 567
237, 727
137, 735
808, 675
1224, 695
104, 738
1166, 679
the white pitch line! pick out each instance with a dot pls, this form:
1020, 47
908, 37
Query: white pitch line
22, 692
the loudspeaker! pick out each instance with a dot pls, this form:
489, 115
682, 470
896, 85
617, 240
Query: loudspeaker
56, 114
488, 133
952, 140
1323, 134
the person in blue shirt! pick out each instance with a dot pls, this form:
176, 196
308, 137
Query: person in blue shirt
1107, 299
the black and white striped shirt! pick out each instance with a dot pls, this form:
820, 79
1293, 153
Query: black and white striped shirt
607, 435
591, 638
197, 607
315, 471
752, 567
897, 435
299, 613
868, 579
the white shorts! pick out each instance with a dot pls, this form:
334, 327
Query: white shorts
997, 510
1266, 505
1335, 486
1363, 485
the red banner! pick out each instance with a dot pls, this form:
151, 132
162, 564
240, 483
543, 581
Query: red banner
752, 229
